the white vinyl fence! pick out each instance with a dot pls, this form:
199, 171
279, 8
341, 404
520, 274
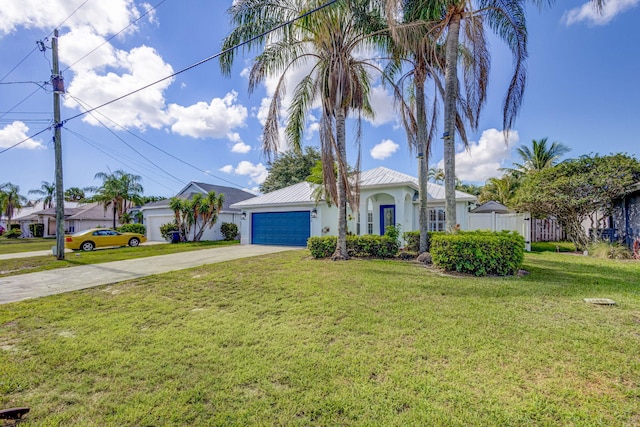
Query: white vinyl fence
519, 222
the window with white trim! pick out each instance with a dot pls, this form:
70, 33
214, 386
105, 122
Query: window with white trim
437, 221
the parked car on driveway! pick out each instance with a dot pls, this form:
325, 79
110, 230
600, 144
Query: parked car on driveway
88, 240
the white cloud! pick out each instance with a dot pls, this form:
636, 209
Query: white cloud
485, 157
16, 132
213, 120
241, 148
103, 17
383, 150
142, 65
257, 173
382, 103
588, 12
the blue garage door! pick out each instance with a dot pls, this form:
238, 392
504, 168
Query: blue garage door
280, 228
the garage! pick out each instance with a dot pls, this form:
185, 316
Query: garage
280, 228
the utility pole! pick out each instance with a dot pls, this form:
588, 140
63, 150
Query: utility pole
58, 88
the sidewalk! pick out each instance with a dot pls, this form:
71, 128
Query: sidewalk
44, 283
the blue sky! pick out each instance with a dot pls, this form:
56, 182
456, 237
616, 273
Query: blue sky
583, 90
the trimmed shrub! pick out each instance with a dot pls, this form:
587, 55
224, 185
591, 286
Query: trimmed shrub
357, 246
132, 228
13, 233
412, 240
166, 230
229, 230
36, 229
479, 252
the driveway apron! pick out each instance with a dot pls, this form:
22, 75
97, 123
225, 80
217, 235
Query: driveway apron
44, 283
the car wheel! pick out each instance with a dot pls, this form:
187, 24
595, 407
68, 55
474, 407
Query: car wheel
87, 246
134, 241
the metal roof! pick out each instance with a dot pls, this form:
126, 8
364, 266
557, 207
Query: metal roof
301, 193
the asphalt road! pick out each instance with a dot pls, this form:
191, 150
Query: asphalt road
44, 283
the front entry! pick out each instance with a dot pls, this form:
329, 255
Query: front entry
387, 217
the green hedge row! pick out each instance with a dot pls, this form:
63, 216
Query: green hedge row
412, 239
132, 228
357, 246
479, 252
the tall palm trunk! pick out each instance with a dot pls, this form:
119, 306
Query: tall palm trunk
450, 97
341, 247
423, 158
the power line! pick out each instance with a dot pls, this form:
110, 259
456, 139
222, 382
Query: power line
127, 144
277, 27
115, 35
163, 151
119, 160
39, 44
25, 140
19, 103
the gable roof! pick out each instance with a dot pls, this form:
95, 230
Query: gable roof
379, 177
491, 206
231, 196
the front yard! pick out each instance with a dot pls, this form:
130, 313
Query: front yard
14, 266
286, 340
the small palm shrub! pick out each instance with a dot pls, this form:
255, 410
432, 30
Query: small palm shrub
132, 228
479, 252
229, 230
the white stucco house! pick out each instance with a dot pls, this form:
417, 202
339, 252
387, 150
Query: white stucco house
156, 214
289, 216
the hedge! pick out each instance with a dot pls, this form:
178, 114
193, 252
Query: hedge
412, 239
357, 246
229, 230
479, 252
132, 228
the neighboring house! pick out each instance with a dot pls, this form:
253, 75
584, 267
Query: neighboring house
156, 214
289, 216
77, 217
626, 216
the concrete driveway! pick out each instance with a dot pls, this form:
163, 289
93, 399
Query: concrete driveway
44, 283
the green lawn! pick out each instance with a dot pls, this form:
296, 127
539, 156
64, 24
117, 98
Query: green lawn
15, 266
286, 340
10, 246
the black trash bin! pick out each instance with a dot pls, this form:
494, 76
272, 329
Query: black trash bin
175, 237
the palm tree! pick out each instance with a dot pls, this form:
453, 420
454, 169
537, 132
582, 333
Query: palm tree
74, 194
122, 190
500, 189
330, 40
538, 157
414, 45
48, 191
11, 200
467, 19
436, 175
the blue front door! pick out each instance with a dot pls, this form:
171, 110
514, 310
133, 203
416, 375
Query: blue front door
387, 217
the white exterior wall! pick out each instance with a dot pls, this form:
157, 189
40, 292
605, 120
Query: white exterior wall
154, 218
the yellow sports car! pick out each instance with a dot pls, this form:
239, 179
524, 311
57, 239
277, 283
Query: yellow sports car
88, 240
